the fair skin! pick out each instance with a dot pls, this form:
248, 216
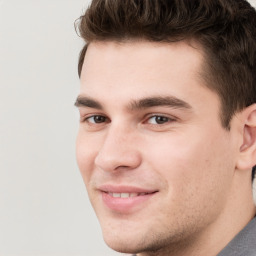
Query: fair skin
150, 133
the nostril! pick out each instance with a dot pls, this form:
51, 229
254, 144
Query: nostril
122, 167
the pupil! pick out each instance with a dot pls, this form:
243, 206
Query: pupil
161, 119
99, 119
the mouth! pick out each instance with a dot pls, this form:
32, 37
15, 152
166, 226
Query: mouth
126, 195
126, 199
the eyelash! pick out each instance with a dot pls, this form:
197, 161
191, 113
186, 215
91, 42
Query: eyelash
95, 120
166, 119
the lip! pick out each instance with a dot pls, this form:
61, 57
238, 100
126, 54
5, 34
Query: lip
125, 189
127, 204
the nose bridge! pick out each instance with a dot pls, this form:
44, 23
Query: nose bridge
118, 134
118, 149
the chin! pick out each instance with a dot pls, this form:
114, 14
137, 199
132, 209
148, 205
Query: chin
121, 245
134, 245
123, 240
131, 241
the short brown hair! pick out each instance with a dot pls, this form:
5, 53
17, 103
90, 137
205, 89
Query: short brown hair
226, 30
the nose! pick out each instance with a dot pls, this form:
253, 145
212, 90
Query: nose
119, 151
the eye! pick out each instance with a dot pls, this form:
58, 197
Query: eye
157, 119
96, 119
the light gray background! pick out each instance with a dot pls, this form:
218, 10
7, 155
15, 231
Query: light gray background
44, 209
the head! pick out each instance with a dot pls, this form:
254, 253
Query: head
167, 108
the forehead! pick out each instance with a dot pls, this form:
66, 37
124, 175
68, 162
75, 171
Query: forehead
144, 55
136, 69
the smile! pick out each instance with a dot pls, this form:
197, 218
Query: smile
126, 195
125, 200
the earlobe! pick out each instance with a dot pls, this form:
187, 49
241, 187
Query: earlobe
247, 156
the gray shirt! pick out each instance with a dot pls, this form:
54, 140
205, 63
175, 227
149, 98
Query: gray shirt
244, 244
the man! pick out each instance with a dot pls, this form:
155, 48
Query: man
167, 138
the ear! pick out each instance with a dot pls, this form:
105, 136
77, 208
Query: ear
247, 155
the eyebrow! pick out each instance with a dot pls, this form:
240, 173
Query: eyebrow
167, 101
83, 101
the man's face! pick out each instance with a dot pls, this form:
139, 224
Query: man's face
154, 157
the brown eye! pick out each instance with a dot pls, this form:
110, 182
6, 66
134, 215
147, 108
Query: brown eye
97, 119
159, 120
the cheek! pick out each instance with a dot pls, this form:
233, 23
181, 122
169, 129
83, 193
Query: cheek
193, 167
196, 181
86, 152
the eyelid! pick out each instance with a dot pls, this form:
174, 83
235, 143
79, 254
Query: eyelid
171, 118
144, 121
93, 121
84, 118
